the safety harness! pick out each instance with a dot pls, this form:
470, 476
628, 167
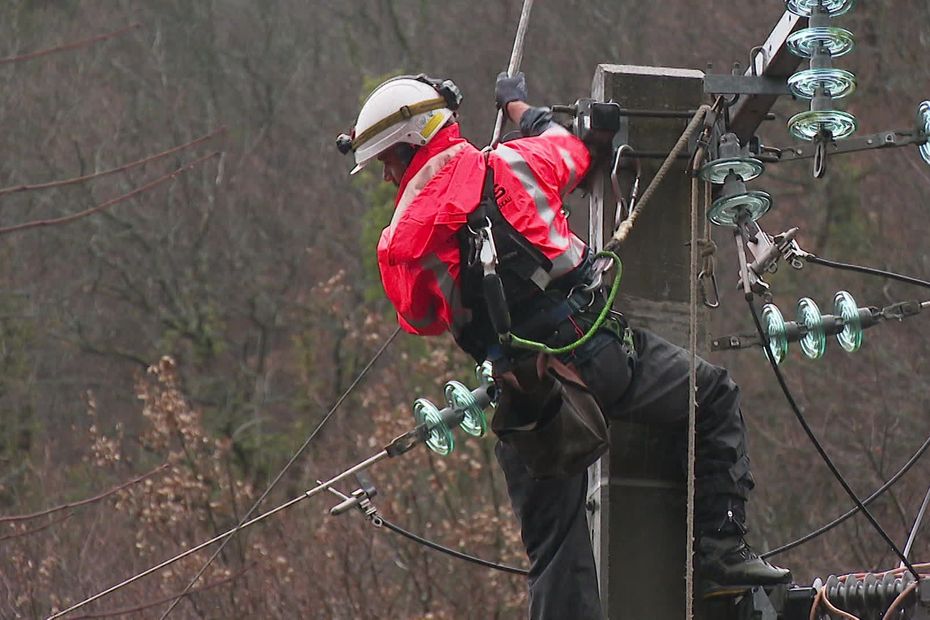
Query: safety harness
505, 279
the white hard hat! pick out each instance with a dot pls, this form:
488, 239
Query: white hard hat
403, 109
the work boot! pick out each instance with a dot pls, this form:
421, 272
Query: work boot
728, 564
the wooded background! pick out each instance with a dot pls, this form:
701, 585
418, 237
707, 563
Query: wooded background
254, 273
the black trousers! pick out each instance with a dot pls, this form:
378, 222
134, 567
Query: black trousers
649, 385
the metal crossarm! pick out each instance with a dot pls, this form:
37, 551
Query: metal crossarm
773, 60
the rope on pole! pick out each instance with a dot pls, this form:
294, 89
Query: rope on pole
692, 399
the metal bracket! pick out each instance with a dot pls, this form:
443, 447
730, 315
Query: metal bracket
766, 251
757, 607
901, 310
765, 255
722, 84
409, 440
774, 60
881, 140
736, 341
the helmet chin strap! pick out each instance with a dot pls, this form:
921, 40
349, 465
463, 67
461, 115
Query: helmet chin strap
405, 153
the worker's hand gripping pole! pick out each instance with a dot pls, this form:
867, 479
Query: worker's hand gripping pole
516, 56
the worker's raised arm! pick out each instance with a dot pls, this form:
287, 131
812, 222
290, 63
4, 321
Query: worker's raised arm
510, 94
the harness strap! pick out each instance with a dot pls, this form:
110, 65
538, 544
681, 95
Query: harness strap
539, 323
583, 304
534, 266
523, 270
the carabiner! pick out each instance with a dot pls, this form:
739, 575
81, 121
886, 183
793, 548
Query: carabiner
713, 279
624, 208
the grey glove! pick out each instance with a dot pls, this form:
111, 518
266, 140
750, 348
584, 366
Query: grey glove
509, 88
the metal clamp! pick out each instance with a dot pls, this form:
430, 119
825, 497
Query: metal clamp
767, 250
360, 498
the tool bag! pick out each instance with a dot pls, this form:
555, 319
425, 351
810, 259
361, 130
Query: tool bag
548, 414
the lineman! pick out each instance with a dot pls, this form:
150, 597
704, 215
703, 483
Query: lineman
460, 215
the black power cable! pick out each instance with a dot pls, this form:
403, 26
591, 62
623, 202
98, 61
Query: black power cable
872, 271
456, 554
817, 445
878, 492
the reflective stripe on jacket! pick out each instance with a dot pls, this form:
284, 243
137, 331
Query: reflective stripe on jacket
418, 253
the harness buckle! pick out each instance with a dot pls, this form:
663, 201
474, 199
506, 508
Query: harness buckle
584, 288
487, 250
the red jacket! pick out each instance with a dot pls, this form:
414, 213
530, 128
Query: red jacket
418, 253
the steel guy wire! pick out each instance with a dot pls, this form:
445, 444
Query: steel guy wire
284, 470
917, 520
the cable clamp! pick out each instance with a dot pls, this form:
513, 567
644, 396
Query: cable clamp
901, 310
361, 499
790, 250
409, 440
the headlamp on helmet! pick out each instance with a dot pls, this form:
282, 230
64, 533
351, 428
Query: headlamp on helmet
344, 143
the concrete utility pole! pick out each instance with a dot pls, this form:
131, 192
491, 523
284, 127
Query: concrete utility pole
638, 495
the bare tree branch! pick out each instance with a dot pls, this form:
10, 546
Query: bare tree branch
70, 46
84, 502
106, 205
38, 186
36, 529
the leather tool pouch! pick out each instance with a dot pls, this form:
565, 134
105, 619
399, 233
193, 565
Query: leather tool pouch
549, 416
